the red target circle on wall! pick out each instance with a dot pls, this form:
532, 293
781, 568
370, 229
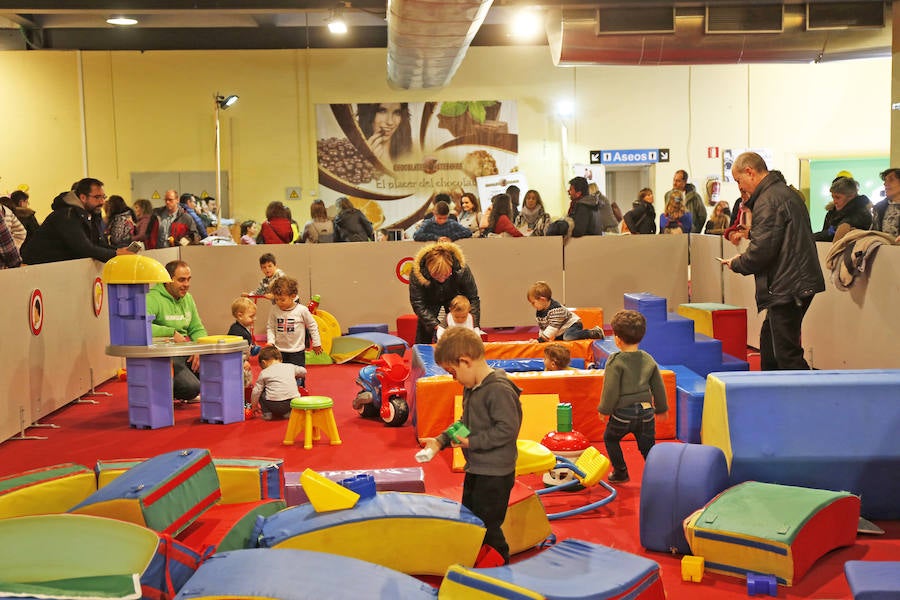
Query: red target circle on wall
98, 296
36, 312
404, 268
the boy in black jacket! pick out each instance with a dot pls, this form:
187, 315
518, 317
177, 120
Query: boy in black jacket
493, 415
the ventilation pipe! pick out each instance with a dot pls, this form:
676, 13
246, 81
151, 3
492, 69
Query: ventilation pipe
576, 38
427, 40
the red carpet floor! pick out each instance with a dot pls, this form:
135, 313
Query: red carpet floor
90, 432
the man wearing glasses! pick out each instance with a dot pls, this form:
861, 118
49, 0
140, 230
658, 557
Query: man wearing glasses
71, 230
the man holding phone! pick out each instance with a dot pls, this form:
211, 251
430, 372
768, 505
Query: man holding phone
781, 256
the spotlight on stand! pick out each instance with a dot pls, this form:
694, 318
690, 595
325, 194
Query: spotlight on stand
225, 101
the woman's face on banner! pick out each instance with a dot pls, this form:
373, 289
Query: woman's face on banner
387, 119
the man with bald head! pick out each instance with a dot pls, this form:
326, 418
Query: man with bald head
781, 256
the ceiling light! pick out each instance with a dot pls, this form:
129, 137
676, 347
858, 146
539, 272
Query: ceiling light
225, 101
121, 20
527, 23
336, 23
565, 109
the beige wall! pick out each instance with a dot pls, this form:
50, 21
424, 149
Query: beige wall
153, 111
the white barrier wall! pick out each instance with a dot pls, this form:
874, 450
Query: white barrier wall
358, 283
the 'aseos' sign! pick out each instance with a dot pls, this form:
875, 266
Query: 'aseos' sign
643, 156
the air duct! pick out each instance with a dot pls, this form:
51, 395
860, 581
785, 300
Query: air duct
427, 40
577, 37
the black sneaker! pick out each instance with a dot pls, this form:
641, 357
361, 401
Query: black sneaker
619, 476
596, 332
267, 416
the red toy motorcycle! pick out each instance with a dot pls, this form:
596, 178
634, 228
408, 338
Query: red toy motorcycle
383, 392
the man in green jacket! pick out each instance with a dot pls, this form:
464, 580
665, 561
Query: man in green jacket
175, 316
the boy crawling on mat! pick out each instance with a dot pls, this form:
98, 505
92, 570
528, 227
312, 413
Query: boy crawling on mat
276, 385
493, 414
633, 393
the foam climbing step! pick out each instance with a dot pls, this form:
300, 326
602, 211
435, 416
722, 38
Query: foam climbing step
165, 493
570, 570
298, 575
364, 327
678, 479
815, 429
771, 529
400, 522
387, 343
47, 490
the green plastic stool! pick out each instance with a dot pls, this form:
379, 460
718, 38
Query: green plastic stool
314, 415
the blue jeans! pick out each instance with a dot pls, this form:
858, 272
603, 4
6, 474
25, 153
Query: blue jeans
576, 332
629, 419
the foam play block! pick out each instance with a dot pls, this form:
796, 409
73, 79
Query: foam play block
229, 526
250, 479
678, 479
240, 479
48, 490
298, 575
165, 493
771, 529
590, 316
406, 328
363, 327
689, 389
391, 520
577, 348
387, 343
571, 569
397, 479
526, 524
581, 389
816, 429
873, 580
74, 556
724, 322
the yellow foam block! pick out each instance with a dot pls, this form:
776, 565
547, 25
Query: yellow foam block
702, 318
538, 419
714, 429
326, 495
594, 465
526, 524
461, 583
45, 491
121, 509
398, 543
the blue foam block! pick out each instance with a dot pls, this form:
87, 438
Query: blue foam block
299, 575
653, 307
830, 430
678, 479
364, 327
689, 389
573, 569
390, 344
302, 519
873, 580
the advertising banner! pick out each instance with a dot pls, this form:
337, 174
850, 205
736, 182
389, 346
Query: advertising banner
390, 158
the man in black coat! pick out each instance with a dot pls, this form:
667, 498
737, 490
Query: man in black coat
782, 256
71, 230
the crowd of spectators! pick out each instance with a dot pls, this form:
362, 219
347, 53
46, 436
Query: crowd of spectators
84, 222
